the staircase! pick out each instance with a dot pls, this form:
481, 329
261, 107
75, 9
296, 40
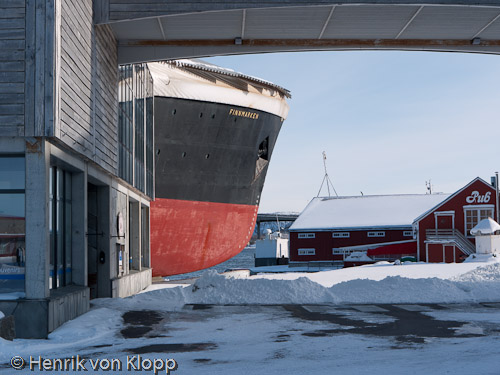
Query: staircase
453, 236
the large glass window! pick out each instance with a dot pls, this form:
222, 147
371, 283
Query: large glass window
474, 215
12, 223
60, 227
135, 127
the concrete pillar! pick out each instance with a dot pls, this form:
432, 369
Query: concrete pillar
135, 235
103, 242
79, 239
37, 218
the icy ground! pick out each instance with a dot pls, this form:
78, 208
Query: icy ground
413, 319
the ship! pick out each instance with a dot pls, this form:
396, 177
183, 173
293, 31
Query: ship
215, 131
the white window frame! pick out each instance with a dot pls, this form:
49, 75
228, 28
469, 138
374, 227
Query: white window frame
408, 233
307, 235
341, 234
306, 251
376, 234
478, 209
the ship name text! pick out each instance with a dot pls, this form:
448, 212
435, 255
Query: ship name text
236, 112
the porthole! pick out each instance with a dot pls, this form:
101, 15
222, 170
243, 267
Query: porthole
201, 114
213, 116
158, 152
207, 156
184, 154
174, 111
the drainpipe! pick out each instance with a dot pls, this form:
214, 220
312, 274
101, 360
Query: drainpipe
496, 187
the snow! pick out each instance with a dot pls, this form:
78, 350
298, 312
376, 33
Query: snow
486, 226
11, 296
358, 256
1, 314
366, 211
254, 336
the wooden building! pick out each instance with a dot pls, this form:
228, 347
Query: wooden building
74, 191
430, 227
329, 229
443, 233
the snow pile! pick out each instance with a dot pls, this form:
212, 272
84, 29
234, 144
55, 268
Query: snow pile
380, 271
213, 288
95, 324
487, 273
1, 315
479, 284
482, 258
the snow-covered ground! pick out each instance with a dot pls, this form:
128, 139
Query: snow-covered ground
269, 339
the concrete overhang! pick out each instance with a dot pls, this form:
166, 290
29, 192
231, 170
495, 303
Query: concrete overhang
162, 29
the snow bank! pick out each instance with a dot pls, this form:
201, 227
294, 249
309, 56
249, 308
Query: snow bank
1, 315
378, 283
479, 284
213, 288
96, 324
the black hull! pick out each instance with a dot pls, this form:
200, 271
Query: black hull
209, 152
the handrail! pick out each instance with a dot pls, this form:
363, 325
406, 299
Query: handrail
452, 235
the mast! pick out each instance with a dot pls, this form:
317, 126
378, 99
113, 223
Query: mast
327, 179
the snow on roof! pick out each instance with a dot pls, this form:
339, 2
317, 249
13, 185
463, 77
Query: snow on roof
486, 226
367, 211
199, 80
358, 256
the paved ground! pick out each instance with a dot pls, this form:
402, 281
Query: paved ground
286, 339
402, 324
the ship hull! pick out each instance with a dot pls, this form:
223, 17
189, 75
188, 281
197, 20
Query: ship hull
196, 235
211, 163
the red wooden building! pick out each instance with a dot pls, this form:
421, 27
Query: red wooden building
330, 229
443, 233
430, 227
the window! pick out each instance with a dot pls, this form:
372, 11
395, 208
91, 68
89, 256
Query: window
408, 233
337, 251
135, 127
376, 234
307, 251
307, 235
341, 235
473, 215
60, 202
12, 223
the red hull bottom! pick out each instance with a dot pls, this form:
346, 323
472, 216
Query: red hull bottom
188, 236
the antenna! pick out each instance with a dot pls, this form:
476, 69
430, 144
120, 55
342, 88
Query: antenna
327, 179
428, 185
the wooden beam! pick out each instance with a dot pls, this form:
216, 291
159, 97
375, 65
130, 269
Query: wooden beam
366, 43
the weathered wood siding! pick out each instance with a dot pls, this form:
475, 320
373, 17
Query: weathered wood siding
12, 72
88, 79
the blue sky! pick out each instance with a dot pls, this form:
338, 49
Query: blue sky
388, 121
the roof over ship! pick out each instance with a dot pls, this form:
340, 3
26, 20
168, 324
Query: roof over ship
365, 212
199, 80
